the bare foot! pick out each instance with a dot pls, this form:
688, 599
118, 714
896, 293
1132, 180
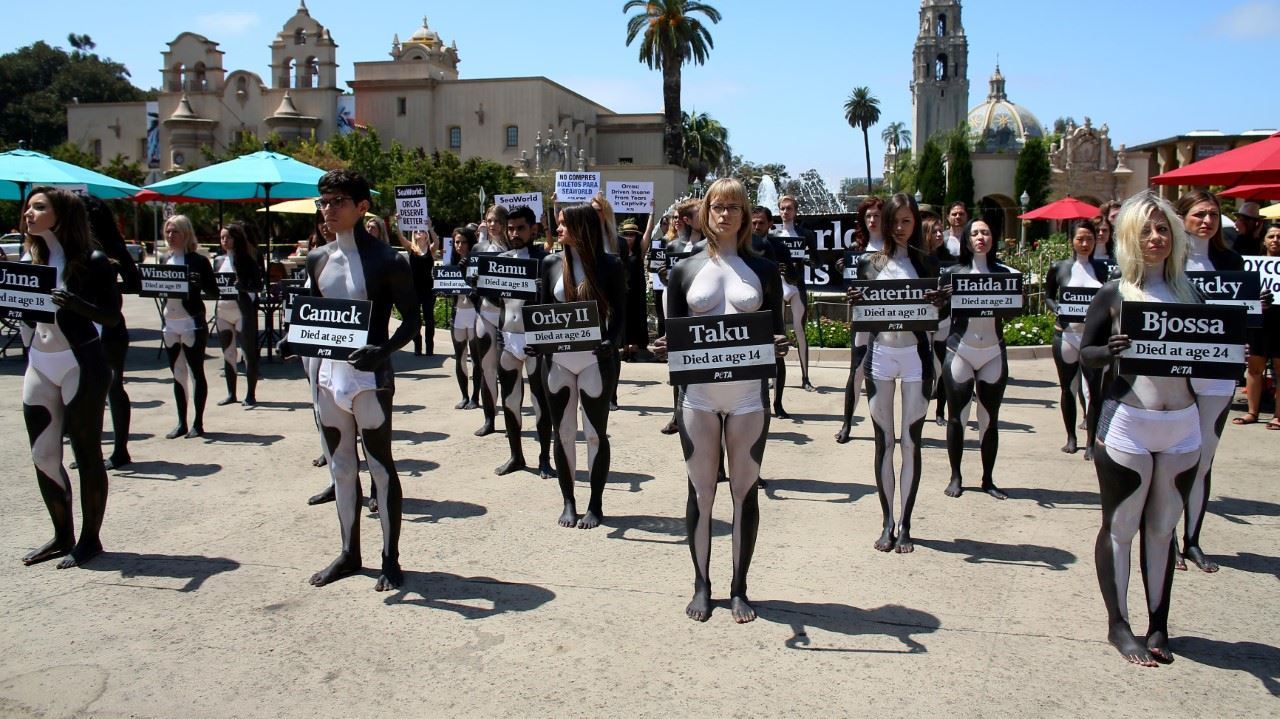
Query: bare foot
1088, 454
319, 461
940, 421
324, 496
462, 404
742, 612
83, 552
196, 431
1133, 651
1196, 555
53, 548
391, 577
670, 428
118, 461
1158, 645
904, 544
229, 399
373, 505
885, 542
544, 468
591, 519
807, 386
1070, 447
485, 429
955, 489
343, 566
177, 432
779, 412
991, 489
843, 435
569, 517
699, 609
511, 465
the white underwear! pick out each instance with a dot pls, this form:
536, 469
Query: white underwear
464, 318
725, 398
1140, 431
488, 317
1204, 387
229, 312
789, 291
178, 325
1073, 335
977, 357
513, 342
174, 337
53, 366
574, 362
896, 363
345, 381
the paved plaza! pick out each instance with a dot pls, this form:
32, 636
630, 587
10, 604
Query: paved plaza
201, 607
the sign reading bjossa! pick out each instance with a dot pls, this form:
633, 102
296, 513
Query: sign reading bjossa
24, 291
411, 206
720, 348
328, 327
889, 305
508, 277
996, 294
164, 281
630, 198
576, 187
1242, 288
532, 200
1183, 340
1073, 303
562, 327
449, 280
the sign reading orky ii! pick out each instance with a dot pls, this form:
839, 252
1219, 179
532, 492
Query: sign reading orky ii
508, 277
1182, 340
328, 327
24, 291
892, 305
720, 348
562, 327
996, 294
164, 281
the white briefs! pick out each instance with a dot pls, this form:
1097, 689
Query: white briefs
1134, 430
902, 363
726, 398
464, 318
513, 342
53, 366
1206, 387
344, 381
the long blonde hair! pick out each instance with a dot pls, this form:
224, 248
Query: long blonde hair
188, 232
1133, 217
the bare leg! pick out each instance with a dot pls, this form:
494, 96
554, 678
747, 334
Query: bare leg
700, 438
957, 374
339, 430
511, 384
227, 341
181, 382
915, 405
487, 347
1069, 384
1124, 480
461, 339
744, 439
857, 364
541, 413
562, 396
1213, 418
1171, 479
373, 415
43, 412
593, 393
118, 398
880, 395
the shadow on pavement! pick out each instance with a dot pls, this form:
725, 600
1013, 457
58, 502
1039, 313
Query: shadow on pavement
1054, 498
649, 524
891, 620
1021, 555
262, 440
1260, 660
1250, 562
166, 471
426, 511
842, 493
192, 567
1233, 509
404, 435
413, 467
469, 597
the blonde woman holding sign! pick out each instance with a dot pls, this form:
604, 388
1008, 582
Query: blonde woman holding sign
186, 333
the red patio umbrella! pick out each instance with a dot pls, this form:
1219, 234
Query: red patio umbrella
1257, 163
1254, 192
1068, 208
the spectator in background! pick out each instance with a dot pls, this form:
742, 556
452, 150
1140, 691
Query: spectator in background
1248, 240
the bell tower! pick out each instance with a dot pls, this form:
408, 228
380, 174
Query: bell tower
940, 71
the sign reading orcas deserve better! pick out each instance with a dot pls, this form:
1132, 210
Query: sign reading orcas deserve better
720, 348
164, 281
1242, 288
995, 294
411, 206
1073, 303
562, 327
508, 278
889, 305
24, 291
1183, 340
449, 280
328, 327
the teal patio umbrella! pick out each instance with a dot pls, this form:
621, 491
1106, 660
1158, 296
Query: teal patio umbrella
23, 169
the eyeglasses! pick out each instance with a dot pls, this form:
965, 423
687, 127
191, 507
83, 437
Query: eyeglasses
726, 209
335, 201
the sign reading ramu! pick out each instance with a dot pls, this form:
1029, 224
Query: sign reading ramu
995, 294
508, 277
24, 291
562, 327
1183, 340
720, 348
890, 305
328, 327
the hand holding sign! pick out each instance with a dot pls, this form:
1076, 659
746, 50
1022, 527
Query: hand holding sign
367, 358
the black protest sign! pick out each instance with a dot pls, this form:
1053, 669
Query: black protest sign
1183, 340
673, 258
1268, 269
1242, 288
164, 281
562, 327
994, 294
657, 259
720, 348
328, 327
24, 291
798, 248
833, 237
508, 278
895, 305
1073, 303
226, 282
290, 290
449, 280
851, 266
473, 261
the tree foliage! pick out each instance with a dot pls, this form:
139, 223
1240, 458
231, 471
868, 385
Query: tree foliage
706, 145
861, 111
930, 179
1033, 176
960, 167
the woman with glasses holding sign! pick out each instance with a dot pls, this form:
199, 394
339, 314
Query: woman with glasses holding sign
729, 418
1148, 437
1069, 286
896, 358
64, 390
186, 332
237, 316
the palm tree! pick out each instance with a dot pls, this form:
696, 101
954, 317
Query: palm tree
672, 37
862, 110
896, 136
706, 144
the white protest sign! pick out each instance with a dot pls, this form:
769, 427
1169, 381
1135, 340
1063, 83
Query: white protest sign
630, 198
532, 200
1268, 268
411, 206
576, 187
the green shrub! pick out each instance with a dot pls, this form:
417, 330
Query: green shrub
1029, 330
830, 333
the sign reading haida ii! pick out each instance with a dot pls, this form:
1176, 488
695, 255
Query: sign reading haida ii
986, 295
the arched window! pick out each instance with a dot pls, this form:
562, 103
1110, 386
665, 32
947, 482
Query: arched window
200, 81
286, 73
242, 87
299, 37
940, 67
308, 73
942, 25
177, 78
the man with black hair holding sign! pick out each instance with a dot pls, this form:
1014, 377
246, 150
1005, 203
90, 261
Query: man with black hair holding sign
794, 291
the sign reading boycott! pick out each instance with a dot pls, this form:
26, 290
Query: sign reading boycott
1073, 303
564, 327
164, 281
720, 348
508, 277
630, 198
328, 327
1242, 288
1181, 340
997, 294
892, 305
24, 291
449, 280
576, 187
1268, 269
532, 200
226, 282
411, 206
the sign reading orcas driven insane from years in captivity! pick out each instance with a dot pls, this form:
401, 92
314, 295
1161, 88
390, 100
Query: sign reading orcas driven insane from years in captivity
563, 327
1242, 288
328, 327
24, 291
889, 305
1183, 340
508, 277
1073, 303
164, 281
996, 294
720, 348
449, 280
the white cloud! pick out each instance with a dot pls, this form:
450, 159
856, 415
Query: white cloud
231, 23
1250, 20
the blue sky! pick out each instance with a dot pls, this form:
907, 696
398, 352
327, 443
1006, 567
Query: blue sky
780, 72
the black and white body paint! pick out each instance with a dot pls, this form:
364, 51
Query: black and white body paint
1074, 280
237, 322
186, 336
488, 317
514, 366
857, 360
795, 296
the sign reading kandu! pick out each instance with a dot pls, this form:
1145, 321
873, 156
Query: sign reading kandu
290, 290
226, 285
996, 294
630, 198
411, 206
1073, 303
328, 327
1183, 340
24, 291
1268, 269
720, 348
508, 277
164, 281
895, 305
532, 200
562, 327
449, 280
1242, 288
576, 187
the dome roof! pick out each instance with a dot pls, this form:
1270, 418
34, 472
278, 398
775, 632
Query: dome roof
426, 36
1000, 124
